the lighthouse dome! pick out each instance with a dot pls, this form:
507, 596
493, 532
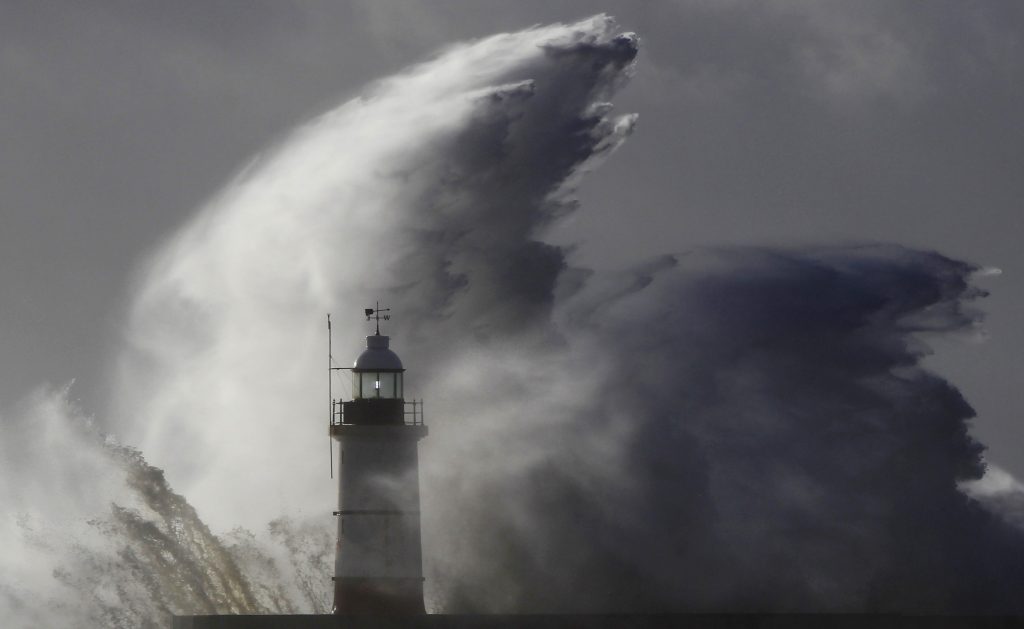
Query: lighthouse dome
377, 356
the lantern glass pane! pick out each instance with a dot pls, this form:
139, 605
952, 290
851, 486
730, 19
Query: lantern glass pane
369, 385
386, 382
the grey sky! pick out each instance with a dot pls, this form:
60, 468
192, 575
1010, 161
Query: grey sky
768, 122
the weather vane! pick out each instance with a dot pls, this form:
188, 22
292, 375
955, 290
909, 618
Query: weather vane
377, 314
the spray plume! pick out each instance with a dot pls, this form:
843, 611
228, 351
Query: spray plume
723, 429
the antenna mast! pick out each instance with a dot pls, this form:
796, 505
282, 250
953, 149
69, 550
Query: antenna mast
330, 392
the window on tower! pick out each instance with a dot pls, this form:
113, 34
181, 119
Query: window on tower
377, 384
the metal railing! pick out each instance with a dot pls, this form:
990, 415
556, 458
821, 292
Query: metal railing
414, 417
412, 414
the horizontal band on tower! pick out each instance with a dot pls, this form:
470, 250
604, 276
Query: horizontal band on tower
375, 512
384, 432
371, 579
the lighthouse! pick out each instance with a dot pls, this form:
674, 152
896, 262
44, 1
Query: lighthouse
378, 566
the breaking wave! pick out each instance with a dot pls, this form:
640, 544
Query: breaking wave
731, 428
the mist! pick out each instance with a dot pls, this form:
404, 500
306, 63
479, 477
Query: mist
729, 429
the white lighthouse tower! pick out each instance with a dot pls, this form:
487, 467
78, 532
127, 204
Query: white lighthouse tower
378, 568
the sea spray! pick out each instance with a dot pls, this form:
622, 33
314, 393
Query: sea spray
96, 537
436, 178
726, 429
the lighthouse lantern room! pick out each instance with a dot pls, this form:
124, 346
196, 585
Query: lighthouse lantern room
378, 565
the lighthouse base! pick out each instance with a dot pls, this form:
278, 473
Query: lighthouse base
393, 596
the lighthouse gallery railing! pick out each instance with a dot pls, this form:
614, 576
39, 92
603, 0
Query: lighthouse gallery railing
413, 413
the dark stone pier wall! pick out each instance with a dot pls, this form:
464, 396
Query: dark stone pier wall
624, 621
